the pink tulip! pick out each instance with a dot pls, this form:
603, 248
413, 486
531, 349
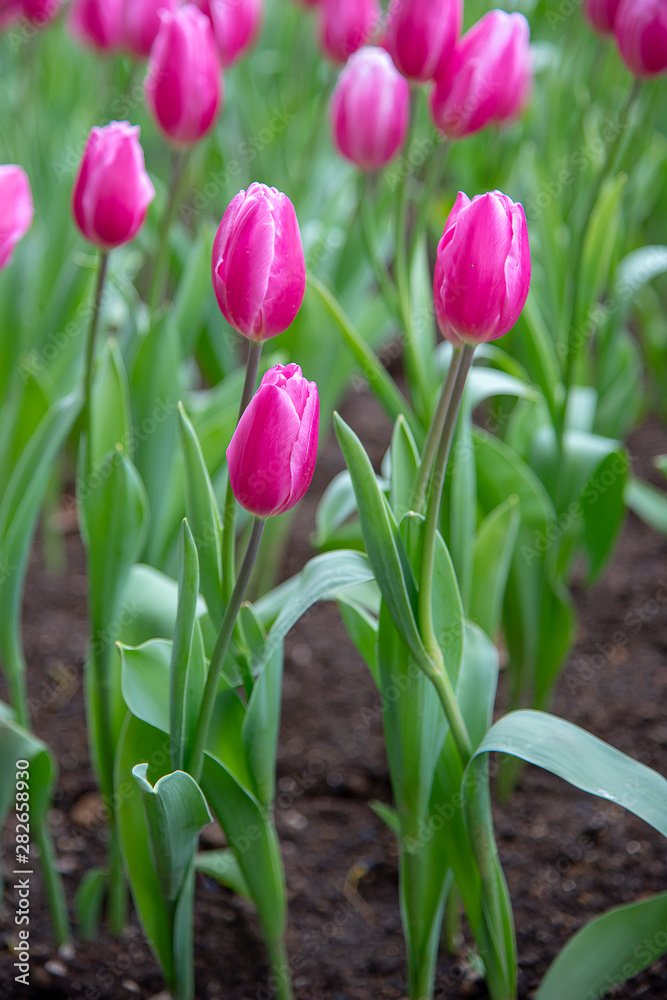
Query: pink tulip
421, 35
259, 271
11, 11
183, 86
482, 273
112, 190
141, 23
346, 25
601, 14
488, 78
236, 25
272, 454
370, 109
16, 210
97, 23
40, 12
640, 27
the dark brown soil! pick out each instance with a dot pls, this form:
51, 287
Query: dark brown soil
566, 856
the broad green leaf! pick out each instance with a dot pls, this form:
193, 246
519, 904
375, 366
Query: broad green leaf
193, 288
599, 243
17, 744
603, 507
184, 634
494, 548
362, 628
404, 468
224, 868
635, 270
648, 503
150, 602
557, 628
261, 725
110, 413
541, 358
176, 811
203, 517
607, 951
338, 503
145, 675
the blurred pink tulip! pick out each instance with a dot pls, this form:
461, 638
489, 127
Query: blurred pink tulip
640, 27
346, 25
40, 12
259, 271
236, 25
370, 109
601, 15
272, 454
112, 190
141, 23
183, 86
11, 11
421, 35
488, 78
16, 210
97, 23
482, 273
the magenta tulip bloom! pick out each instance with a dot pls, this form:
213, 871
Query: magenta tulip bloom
97, 23
601, 15
16, 210
482, 273
112, 190
421, 35
40, 12
370, 109
259, 271
11, 11
272, 454
640, 27
141, 23
488, 78
236, 25
183, 86
346, 25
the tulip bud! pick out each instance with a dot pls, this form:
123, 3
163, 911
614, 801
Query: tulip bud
236, 25
482, 274
97, 23
183, 86
259, 271
488, 78
421, 35
16, 210
40, 12
141, 23
112, 190
272, 454
640, 27
601, 14
370, 109
346, 25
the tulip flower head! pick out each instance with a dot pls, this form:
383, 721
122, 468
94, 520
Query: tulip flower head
112, 190
16, 210
141, 23
488, 78
346, 25
40, 12
640, 27
601, 15
421, 35
236, 25
11, 11
272, 454
97, 23
370, 109
482, 273
183, 86
259, 270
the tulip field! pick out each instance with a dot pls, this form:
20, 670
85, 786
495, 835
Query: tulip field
333, 499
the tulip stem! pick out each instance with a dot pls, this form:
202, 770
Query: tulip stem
179, 161
229, 518
221, 646
435, 430
90, 343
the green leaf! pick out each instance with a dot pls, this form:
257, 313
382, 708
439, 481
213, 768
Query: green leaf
648, 503
404, 469
338, 503
16, 743
261, 725
110, 413
203, 517
388, 815
603, 507
88, 902
184, 634
224, 868
381, 539
636, 270
542, 361
145, 673
600, 241
607, 951
494, 548
362, 628
151, 602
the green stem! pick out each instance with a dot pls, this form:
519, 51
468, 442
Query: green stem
53, 885
435, 430
16, 674
229, 517
369, 233
280, 969
221, 646
179, 161
90, 342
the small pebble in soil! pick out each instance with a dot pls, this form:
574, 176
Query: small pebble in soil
302, 656
633, 847
295, 821
67, 952
569, 885
55, 968
131, 986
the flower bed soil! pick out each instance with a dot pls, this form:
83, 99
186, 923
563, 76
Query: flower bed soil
566, 855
